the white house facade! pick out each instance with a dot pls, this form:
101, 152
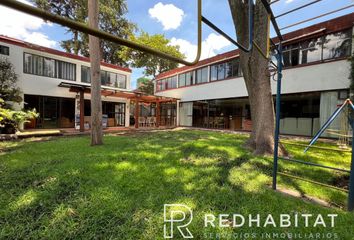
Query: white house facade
315, 80
47, 78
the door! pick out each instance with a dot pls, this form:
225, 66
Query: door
50, 112
120, 114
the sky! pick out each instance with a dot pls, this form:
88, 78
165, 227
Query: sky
176, 19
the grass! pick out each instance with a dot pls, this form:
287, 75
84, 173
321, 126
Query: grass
64, 189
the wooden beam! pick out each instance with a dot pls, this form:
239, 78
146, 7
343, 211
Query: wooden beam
137, 113
158, 113
82, 111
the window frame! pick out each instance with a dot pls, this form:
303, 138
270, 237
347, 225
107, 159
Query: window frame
2, 52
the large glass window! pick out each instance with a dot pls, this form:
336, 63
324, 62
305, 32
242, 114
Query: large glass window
291, 55
201, 75
167, 83
107, 78
225, 70
189, 78
4, 50
85, 74
48, 67
337, 45
121, 81
214, 73
330, 46
182, 80
66, 70
311, 51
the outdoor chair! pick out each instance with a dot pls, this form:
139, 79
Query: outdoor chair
142, 122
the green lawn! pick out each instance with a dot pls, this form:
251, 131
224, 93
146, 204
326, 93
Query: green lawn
65, 189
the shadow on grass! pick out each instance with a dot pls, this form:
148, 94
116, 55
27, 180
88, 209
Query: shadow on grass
65, 189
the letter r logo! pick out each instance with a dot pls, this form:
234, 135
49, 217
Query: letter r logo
177, 215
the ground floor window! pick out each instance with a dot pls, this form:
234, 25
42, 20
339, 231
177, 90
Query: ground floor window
235, 114
148, 111
114, 111
54, 112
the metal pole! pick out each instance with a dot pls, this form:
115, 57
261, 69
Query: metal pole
351, 179
320, 16
298, 8
277, 119
82, 27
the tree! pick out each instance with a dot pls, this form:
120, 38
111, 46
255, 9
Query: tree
256, 74
9, 91
153, 65
145, 85
111, 20
96, 101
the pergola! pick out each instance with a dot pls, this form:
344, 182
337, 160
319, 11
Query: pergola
135, 96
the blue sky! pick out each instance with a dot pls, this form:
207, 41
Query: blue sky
176, 19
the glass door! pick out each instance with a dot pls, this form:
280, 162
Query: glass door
120, 114
50, 112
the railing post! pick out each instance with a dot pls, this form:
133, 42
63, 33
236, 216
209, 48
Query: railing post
277, 119
351, 179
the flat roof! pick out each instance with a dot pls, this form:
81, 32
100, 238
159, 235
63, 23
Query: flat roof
36, 47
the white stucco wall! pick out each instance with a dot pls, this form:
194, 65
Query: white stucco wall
319, 77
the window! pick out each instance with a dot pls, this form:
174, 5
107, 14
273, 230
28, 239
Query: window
163, 84
337, 45
182, 80
311, 51
66, 70
201, 75
189, 78
214, 73
121, 81
291, 55
221, 71
167, 83
48, 67
85, 74
225, 70
109, 79
4, 50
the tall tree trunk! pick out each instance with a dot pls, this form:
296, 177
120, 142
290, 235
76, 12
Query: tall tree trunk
256, 74
95, 58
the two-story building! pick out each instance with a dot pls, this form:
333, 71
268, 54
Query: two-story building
47, 76
315, 80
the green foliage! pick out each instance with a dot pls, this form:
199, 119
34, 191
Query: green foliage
62, 189
12, 118
9, 91
111, 20
145, 85
153, 65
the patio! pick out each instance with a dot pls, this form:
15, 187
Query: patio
163, 110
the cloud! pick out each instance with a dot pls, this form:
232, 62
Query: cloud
25, 27
168, 15
210, 46
289, 1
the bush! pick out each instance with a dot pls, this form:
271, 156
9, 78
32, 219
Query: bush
10, 120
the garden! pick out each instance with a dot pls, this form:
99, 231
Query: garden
59, 188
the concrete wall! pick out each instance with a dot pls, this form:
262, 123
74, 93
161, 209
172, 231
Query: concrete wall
319, 77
